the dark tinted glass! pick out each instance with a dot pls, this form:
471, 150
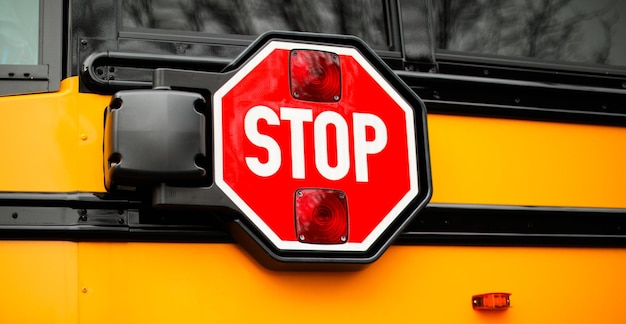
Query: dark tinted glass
363, 18
559, 30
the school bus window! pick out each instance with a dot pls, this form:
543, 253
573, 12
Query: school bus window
19, 32
364, 18
591, 32
31, 38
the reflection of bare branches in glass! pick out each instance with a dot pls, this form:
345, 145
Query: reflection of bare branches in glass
601, 55
142, 12
454, 16
542, 32
545, 29
93, 18
363, 18
295, 14
194, 15
229, 16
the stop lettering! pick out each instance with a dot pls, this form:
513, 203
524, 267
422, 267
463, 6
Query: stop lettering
296, 118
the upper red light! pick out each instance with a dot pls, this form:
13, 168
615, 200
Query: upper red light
315, 75
321, 216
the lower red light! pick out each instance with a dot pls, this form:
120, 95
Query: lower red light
315, 75
321, 216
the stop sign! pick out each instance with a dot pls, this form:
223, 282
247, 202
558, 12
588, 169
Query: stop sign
362, 142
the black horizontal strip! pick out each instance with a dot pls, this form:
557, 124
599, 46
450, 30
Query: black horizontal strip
517, 225
502, 98
79, 216
93, 224
69, 199
518, 68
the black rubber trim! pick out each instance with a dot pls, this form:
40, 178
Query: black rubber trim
455, 224
520, 68
530, 100
90, 217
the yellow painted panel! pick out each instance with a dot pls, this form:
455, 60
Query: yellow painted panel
53, 143
504, 161
35, 132
38, 282
219, 283
43, 282
89, 174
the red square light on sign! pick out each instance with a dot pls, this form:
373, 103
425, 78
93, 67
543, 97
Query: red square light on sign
321, 216
315, 75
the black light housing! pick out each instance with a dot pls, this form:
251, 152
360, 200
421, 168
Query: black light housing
154, 136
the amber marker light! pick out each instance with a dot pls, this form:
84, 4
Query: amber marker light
491, 301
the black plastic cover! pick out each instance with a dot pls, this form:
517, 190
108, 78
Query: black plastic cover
154, 136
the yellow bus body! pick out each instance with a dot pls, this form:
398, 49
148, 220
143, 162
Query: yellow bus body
53, 143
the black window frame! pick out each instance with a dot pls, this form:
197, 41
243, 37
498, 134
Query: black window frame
47, 74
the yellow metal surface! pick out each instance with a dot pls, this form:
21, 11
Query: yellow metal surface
53, 143
515, 162
61, 282
38, 282
220, 283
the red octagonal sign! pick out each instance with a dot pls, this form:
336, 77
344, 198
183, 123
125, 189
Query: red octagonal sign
317, 148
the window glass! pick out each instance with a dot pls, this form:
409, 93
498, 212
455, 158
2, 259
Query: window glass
19, 32
363, 18
558, 30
